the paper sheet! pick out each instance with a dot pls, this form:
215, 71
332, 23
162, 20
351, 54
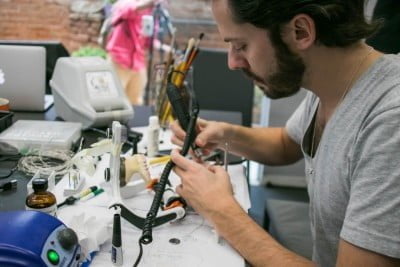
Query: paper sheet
198, 241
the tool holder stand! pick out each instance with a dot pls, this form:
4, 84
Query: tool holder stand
118, 137
164, 216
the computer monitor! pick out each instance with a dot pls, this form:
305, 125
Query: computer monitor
54, 50
213, 81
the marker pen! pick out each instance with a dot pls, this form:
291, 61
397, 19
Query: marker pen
86, 192
116, 249
92, 194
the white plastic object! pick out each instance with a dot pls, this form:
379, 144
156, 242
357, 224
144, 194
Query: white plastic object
153, 133
36, 134
115, 160
86, 159
75, 183
133, 188
88, 90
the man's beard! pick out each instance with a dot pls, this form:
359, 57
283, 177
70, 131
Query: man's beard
286, 80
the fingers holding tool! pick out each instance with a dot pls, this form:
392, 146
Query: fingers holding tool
201, 186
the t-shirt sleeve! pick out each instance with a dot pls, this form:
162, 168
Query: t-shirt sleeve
297, 123
372, 219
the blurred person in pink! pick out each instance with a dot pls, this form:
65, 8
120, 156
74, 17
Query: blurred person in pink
127, 46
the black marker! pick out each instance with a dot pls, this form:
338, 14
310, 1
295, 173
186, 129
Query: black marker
116, 249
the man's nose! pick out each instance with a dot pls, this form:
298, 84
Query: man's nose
236, 61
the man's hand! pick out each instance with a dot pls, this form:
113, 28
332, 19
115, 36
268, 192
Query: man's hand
205, 188
210, 135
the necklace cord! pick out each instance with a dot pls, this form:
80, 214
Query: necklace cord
356, 70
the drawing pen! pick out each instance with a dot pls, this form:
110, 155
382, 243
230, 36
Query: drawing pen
92, 194
86, 192
72, 199
116, 249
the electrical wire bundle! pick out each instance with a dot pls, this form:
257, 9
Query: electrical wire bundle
46, 162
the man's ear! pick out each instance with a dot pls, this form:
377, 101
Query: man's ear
300, 32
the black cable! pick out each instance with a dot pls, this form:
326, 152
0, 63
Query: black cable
8, 185
159, 190
10, 158
140, 255
11, 172
13, 169
147, 233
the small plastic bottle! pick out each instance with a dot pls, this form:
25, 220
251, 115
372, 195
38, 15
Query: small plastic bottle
41, 199
153, 133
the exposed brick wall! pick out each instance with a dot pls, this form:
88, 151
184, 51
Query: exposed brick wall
211, 39
195, 9
84, 29
54, 20
39, 19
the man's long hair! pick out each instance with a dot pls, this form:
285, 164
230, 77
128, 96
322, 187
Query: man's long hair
338, 22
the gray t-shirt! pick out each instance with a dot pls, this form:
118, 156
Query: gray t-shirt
354, 178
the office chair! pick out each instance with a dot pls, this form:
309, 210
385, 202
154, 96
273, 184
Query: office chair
286, 206
291, 175
387, 39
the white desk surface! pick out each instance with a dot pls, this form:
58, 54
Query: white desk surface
199, 244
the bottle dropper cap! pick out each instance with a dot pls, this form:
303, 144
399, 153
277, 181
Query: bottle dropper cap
153, 121
40, 184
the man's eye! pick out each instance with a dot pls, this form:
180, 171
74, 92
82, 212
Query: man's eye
239, 48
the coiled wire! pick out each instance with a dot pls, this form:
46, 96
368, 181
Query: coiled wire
46, 161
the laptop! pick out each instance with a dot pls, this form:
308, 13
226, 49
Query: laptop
23, 77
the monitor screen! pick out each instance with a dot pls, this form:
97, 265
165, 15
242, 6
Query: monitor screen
54, 50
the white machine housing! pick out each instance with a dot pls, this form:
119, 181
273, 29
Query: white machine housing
88, 90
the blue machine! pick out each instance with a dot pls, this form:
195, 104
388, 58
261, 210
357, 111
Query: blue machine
32, 238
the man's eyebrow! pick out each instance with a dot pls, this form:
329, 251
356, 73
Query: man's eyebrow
228, 40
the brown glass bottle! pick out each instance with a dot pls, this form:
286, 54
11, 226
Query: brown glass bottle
41, 199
